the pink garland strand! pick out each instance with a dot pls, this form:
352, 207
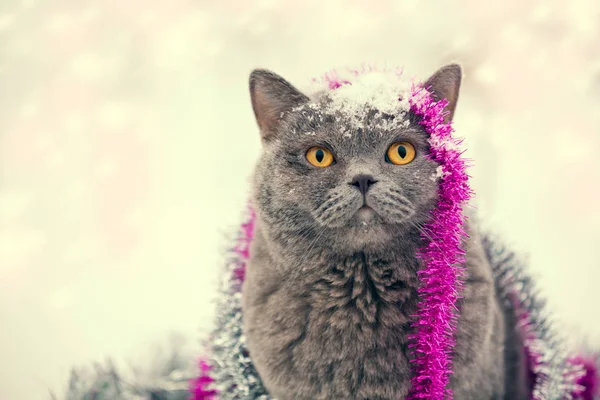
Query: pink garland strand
588, 382
242, 248
200, 387
442, 257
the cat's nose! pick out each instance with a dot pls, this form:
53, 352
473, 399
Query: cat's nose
363, 182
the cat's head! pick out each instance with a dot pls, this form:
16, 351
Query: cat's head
344, 168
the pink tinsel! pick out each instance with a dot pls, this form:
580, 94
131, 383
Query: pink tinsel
242, 248
334, 81
200, 387
442, 256
589, 381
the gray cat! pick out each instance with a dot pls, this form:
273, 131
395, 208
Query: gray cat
331, 284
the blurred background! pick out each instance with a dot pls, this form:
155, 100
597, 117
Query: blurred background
127, 139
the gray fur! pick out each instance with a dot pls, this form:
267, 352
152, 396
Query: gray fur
330, 289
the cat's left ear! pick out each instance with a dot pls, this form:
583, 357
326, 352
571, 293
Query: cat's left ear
272, 96
445, 84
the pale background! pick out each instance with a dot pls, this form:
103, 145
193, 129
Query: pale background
127, 137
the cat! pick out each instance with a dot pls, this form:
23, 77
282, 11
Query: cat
331, 283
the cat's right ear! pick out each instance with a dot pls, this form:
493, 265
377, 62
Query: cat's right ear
272, 96
445, 84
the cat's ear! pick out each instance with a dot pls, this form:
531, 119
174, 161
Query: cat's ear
445, 84
272, 96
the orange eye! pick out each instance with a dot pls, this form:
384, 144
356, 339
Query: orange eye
400, 153
319, 157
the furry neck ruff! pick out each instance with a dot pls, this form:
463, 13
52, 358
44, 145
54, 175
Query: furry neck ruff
228, 373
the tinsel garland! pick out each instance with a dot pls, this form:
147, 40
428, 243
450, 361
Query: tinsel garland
163, 374
227, 371
230, 372
442, 257
587, 378
554, 375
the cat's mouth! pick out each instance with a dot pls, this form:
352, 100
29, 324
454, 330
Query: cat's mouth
366, 215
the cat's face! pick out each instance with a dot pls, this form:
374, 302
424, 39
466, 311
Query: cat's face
327, 178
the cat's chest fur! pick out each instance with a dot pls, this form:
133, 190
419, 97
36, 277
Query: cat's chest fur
340, 331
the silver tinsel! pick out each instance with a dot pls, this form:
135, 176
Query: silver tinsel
234, 374
556, 377
165, 376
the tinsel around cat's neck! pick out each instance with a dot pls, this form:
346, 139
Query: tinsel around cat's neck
442, 257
